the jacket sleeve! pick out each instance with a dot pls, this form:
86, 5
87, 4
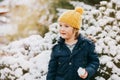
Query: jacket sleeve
93, 60
52, 67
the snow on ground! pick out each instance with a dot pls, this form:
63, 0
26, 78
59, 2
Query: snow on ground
25, 59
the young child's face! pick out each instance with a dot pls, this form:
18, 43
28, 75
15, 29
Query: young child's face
66, 31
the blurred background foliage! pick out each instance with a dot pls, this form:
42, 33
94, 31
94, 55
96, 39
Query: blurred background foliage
1, 0
91, 2
35, 17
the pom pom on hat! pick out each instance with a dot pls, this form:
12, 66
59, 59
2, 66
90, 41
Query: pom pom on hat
79, 9
72, 17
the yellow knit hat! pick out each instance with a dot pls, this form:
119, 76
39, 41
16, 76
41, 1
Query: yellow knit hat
72, 17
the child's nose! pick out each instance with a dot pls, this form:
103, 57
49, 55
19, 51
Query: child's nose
62, 28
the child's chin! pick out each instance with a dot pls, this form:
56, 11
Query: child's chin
63, 37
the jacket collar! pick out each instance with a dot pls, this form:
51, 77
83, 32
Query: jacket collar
80, 39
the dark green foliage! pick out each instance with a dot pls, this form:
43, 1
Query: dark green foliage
59, 4
91, 2
1, 0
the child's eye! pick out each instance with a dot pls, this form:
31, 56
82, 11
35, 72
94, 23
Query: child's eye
60, 25
66, 26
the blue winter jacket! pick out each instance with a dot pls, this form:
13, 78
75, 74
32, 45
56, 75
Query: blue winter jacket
63, 64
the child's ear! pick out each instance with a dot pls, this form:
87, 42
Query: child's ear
92, 38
